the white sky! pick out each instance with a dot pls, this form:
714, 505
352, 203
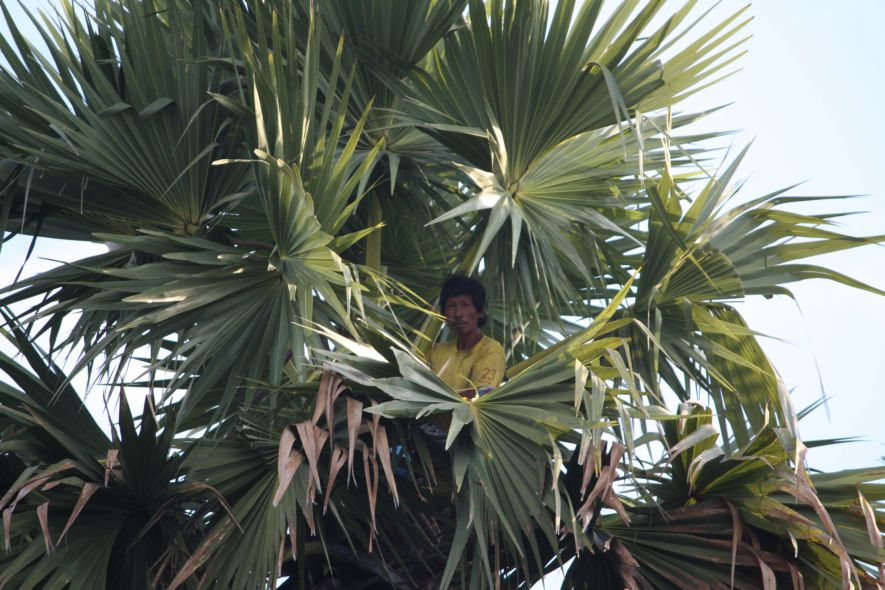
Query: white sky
808, 96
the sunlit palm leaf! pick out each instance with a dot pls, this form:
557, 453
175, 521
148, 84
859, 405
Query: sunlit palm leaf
555, 179
695, 263
281, 299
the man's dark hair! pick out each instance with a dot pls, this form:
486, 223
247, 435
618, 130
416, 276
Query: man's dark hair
464, 285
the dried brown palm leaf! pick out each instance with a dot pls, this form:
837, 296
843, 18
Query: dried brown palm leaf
312, 440
736, 534
43, 519
7, 526
383, 449
628, 568
86, 493
796, 576
769, 581
354, 418
293, 537
603, 484
285, 476
371, 476
803, 490
376, 420
590, 467
335, 464
24, 486
322, 400
110, 462
611, 500
872, 529
203, 552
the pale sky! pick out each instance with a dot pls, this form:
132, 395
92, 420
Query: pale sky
808, 96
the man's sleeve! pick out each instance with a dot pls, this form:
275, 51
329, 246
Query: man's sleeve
430, 357
488, 370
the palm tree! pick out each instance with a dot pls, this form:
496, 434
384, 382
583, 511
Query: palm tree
282, 186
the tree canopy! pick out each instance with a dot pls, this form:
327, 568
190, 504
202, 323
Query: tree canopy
282, 186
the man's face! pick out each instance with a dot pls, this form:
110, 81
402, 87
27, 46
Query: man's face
461, 314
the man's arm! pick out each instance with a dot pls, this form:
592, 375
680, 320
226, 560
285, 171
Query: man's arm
488, 369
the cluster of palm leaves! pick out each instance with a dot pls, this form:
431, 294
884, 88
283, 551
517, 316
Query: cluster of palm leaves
282, 187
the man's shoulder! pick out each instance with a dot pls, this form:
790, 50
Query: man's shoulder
491, 346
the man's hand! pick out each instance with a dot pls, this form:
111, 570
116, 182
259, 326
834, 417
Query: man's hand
468, 394
471, 394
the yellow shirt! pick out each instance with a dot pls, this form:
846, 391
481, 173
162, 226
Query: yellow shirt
480, 366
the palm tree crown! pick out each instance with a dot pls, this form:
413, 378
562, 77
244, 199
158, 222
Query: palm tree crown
282, 187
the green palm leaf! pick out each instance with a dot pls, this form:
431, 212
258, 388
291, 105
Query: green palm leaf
282, 187
122, 105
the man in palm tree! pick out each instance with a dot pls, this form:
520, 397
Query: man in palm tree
472, 363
